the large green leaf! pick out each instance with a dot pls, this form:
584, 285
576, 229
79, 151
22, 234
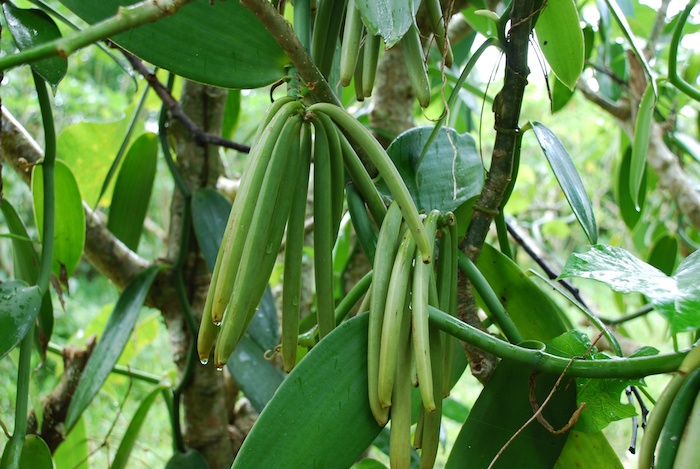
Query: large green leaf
69, 225
588, 450
132, 432
132, 190
561, 40
664, 253
210, 211
19, 305
521, 296
33, 27
320, 416
89, 149
677, 298
218, 43
35, 454
568, 178
26, 268
389, 19
73, 452
501, 410
112, 342
629, 211
451, 171
191, 459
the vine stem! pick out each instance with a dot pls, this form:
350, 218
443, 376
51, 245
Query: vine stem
126, 18
629, 368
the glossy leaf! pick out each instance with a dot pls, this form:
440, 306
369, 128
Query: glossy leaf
561, 40
26, 268
677, 298
521, 296
132, 190
561, 94
602, 396
132, 432
569, 180
588, 450
433, 183
191, 459
89, 149
500, 411
388, 18
113, 340
35, 454
32, 27
69, 225
73, 452
19, 305
642, 129
664, 253
210, 211
245, 57
321, 408
629, 212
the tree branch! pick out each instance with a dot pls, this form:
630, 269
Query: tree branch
109, 255
284, 34
201, 137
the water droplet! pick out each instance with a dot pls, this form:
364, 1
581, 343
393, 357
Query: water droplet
217, 323
219, 367
204, 361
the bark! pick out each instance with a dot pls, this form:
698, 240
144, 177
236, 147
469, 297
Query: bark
204, 400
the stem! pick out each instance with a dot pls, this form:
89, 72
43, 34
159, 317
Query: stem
283, 33
165, 145
490, 298
673, 76
23, 374
130, 17
627, 368
48, 180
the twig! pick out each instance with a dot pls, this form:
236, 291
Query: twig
619, 110
543, 265
200, 136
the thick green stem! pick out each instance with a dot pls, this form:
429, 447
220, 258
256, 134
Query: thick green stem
126, 18
627, 368
673, 75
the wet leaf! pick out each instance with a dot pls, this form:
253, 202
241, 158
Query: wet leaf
19, 305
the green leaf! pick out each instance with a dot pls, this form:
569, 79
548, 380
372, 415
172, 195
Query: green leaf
629, 212
561, 40
89, 149
588, 450
485, 26
132, 432
664, 253
569, 180
32, 27
210, 211
321, 409
677, 298
69, 225
642, 129
113, 340
73, 452
132, 190
35, 454
221, 43
602, 396
501, 410
191, 459
388, 18
26, 268
434, 184
368, 463
19, 305
521, 296
561, 94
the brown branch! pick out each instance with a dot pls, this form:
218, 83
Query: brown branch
284, 34
618, 110
109, 255
200, 136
